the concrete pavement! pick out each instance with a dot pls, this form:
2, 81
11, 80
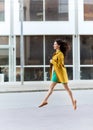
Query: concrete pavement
19, 111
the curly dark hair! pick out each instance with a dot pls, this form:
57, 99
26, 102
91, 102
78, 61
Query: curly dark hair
64, 46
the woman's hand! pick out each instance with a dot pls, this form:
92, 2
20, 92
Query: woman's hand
50, 60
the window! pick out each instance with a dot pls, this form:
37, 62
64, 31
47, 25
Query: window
56, 10
3, 40
88, 10
86, 50
33, 10
86, 57
52, 10
4, 62
33, 53
2, 10
17, 50
33, 74
38, 51
4, 57
86, 72
33, 50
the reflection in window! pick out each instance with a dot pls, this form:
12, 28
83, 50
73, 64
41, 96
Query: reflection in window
33, 50
4, 62
2, 10
18, 74
33, 74
4, 57
70, 72
49, 41
3, 40
47, 74
86, 73
86, 49
88, 10
30, 74
5, 73
17, 50
56, 10
33, 10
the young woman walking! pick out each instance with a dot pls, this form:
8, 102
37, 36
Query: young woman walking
58, 73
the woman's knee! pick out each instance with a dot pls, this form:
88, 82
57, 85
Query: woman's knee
67, 88
50, 90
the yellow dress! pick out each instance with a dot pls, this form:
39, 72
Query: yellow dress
57, 63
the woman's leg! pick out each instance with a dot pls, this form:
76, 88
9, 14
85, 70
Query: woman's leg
51, 88
71, 96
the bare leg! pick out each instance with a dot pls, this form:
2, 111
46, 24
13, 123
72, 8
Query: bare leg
48, 94
71, 96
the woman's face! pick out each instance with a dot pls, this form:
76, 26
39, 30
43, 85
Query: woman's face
56, 46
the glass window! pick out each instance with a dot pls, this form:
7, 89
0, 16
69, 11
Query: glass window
33, 50
2, 10
49, 41
56, 10
33, 74
47, 74
4, 62
33, 10
70, 72
30, 74
18, 74
5, 73
3, 40
17, 50
86, 50
4, 57
88, 10
86, 73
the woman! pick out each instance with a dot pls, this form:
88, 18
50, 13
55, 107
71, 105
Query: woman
58, 73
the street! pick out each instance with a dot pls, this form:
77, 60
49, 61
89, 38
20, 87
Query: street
19, 111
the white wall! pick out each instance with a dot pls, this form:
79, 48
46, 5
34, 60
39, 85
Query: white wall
5, 26
47, 28
85, 27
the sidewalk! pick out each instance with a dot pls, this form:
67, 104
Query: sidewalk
42, 86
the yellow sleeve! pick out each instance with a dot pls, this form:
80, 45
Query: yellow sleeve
60, 60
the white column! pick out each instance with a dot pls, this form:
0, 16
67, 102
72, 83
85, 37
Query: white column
76, 49
11, 49
21, 42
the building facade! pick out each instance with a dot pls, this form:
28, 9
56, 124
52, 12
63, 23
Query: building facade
43, 22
